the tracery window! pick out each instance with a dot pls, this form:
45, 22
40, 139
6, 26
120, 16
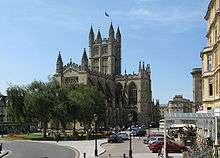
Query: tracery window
132, 94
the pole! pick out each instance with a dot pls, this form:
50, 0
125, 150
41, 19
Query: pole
165, 140
216, 130
130, 149
96, 150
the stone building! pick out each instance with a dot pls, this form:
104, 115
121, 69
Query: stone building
210, 57
197, 88
123, 93
180, 104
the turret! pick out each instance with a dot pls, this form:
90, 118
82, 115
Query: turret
59, 64
139, 69
111, 33
84, 61
91, 36
99, 37
118, 35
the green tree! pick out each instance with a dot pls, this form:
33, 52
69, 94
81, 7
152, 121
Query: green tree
39, 102
88, 101
16, 107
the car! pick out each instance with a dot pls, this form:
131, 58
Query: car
114, 138
146, 139
155, 139
171, 147
123, 135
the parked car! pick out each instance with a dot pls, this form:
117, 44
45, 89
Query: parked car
114, 138
155, 139
171, 147
146, 139
123, 135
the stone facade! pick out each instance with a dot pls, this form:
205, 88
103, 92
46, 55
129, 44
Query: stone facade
180, 104
210, 57
124, 93
197, 88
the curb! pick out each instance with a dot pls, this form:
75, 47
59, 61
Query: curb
4, 154
103, 148
74, 149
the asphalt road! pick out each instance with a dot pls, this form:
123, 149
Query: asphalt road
118, 149
36, 150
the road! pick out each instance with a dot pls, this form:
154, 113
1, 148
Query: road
118, 149
36, 150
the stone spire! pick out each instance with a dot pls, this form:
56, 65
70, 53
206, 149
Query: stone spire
59, 64
139, 69
84, 61
91, 36
111, 32
118, 35
99, 37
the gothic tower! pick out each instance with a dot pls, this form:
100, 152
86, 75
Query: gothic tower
105, 53
59, 68
84, 61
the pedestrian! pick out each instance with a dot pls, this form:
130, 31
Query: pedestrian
159, 152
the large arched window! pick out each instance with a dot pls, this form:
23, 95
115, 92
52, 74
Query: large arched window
132, 94
118, 96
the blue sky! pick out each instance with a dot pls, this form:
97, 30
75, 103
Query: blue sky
168, 34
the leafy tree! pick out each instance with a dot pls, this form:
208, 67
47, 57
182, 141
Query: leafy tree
16, 107
88, 101
39, 102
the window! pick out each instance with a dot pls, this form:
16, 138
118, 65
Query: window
105, 65
209, 62
96, 65
210, 87
104, 50
209, 108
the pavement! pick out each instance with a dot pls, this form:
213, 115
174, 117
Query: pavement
104, 149
82, 146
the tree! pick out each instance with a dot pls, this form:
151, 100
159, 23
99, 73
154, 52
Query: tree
16, 107
88, 101
39, 102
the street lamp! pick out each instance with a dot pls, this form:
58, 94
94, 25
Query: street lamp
130, 117
95, 120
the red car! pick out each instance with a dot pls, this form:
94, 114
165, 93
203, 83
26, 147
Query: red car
171, 147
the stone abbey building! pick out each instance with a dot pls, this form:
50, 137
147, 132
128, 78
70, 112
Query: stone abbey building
102, 68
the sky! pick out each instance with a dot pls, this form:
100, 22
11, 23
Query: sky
169, 35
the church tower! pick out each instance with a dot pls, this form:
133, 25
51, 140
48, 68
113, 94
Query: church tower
105, 53
84, 61
59, 68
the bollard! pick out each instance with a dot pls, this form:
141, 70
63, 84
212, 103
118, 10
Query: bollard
124, 156
109, 155
84, 155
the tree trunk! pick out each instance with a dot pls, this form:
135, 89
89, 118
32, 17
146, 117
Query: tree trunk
45, 129
74, 125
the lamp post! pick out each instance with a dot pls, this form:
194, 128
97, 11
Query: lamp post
95, 120
130, 117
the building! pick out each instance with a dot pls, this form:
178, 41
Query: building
197, 88
180, 104
3, 109
124, 93
210, 57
